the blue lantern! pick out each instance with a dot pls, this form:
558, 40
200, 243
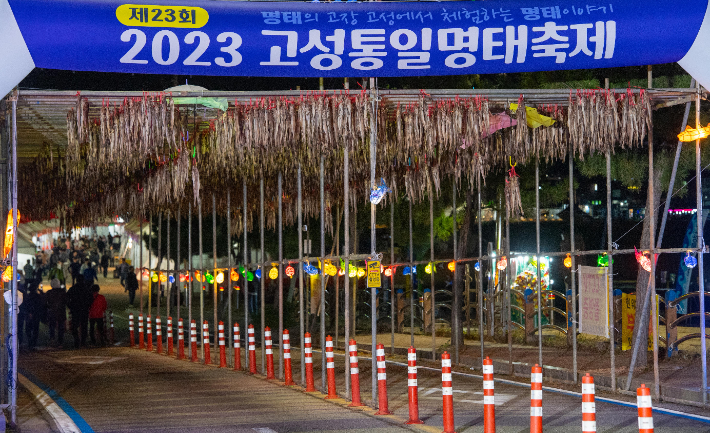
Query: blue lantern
257, 273
379, 192
690, 261
406, 271
171, 279
477, 266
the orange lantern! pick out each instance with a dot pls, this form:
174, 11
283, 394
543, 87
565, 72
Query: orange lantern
692, 134
9, 233
451, 266
502, 263
568, 261
290, 271
643, 259
234, 275
388, 272
163, 278
7, 274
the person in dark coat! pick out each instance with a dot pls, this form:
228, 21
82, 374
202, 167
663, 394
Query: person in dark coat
79, 300
131, 284
35, 310
57, 311
104, 263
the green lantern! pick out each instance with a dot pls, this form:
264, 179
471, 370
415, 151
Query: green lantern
210, 278
603, 260
250, 276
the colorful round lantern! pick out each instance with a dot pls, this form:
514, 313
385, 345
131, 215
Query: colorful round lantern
331, 270
502, 263
250, 276
209, 277
274, 273
643, 259
360, 272
154, 277
352, 271
6, 275
477, 266
407, 270
388, 272
451, 266
290, 271
220, 277
429, 268
341, 272
171, 279
690, 261
145, 275
603, 260
257, 273
234, 276
162, 277
198, 276
568, 261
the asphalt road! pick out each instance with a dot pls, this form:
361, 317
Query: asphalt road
126, 390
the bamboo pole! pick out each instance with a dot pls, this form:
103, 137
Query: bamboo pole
190, 273
214, 274
431, 276
346, 263
411, 277
701, 285
456, 308
652, 277
300, 274
573, 266
322, 275
612, 355
281, 281
537, 259
177, 265
158, 265
150, 258
479, 313
13, 283
140, 268
228, 277
262, 280
373, 243
392, 291
246, 265
202, 276
167, 256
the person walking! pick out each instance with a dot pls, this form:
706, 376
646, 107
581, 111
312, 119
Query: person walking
57, 311
123, 271
96, 316
104, 263
89, 273
74, 269
29, 270
35, 313
131, 285
79, 300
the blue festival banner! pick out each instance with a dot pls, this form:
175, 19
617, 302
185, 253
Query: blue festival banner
354, 39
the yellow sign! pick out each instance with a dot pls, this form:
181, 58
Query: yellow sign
374, 278
628, 319
186, 17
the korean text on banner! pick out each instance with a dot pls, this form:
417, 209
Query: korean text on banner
374, 278
628, 319
593, 301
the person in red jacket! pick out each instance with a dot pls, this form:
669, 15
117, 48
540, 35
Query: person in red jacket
96, 316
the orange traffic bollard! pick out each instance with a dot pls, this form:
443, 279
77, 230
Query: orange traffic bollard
589, 417
536, 399
222, 348
252, 349
489, 404
141, 338
330, 367
181, 340
131, 336
308, 359
645, 409
149, 335
236, 345
206, 343
193, 341
381, 382
412, 387
269, 354
169, 329
159, 334
354, 375
288, 373
447, 392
